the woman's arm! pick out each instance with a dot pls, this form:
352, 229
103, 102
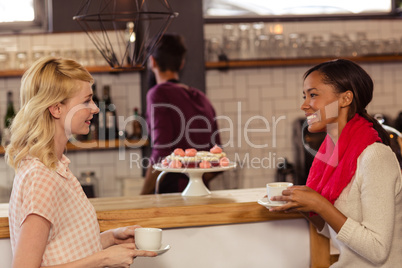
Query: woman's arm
316, 220
379, 183
33, 239
150, 181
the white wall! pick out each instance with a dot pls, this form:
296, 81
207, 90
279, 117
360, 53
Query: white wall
272, 93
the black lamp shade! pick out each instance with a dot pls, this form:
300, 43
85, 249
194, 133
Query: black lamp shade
125, 31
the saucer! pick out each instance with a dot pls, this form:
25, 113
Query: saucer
264, 202
162, 250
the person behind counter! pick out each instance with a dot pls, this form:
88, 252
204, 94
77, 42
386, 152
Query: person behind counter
353, 191
52, 223
178, 116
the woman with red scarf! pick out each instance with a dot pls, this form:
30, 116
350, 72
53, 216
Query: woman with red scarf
353, 192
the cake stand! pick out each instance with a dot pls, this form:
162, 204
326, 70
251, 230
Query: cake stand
195, 186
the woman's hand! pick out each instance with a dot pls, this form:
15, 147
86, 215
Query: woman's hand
123, 255
300, 198
124, 234
118, 236
304, 199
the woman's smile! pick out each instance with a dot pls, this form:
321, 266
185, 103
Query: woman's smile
312, 118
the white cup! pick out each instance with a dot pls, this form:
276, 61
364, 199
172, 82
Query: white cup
148, 238
275, 189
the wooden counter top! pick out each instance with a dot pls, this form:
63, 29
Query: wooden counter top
174, 210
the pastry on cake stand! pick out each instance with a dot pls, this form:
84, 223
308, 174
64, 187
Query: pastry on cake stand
195, 186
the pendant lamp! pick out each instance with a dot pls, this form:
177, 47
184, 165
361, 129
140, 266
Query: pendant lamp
125, 32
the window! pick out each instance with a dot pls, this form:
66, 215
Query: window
295, 8
23, 16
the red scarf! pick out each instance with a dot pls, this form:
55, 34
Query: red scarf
334, 165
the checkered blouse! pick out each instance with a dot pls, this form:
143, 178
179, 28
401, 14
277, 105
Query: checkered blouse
58, 197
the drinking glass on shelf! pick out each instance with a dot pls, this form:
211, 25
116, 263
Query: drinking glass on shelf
54, 53
21, 60
214, 49
259, 29
391, 46
335, 45
91, 54
229, 30
362, 44
4, 61
303, 38
70, 54
304, 48
83, 57
294, 45
335, 48
37, 55
244, 45
263, 47
258, 35
307, 50
279, 46
323, 49
361, 36
363, 47
350, 49
230, 41
316, 41
378, 46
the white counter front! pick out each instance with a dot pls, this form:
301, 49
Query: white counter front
283, 244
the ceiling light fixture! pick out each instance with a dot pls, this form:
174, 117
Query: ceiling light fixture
123, 30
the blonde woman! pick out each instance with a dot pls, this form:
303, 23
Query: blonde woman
52, 223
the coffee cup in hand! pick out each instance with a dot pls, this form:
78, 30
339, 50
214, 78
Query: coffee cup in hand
275, 189
148, 238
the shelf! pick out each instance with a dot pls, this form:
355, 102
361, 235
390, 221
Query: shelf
98, 145
222, 65
233, 64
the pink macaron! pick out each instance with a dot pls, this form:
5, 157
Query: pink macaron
191, 152
175, 164
179, 152
205, 164
165, 162
216, 150
224, 162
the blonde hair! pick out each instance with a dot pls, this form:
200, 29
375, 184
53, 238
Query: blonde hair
47, 82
